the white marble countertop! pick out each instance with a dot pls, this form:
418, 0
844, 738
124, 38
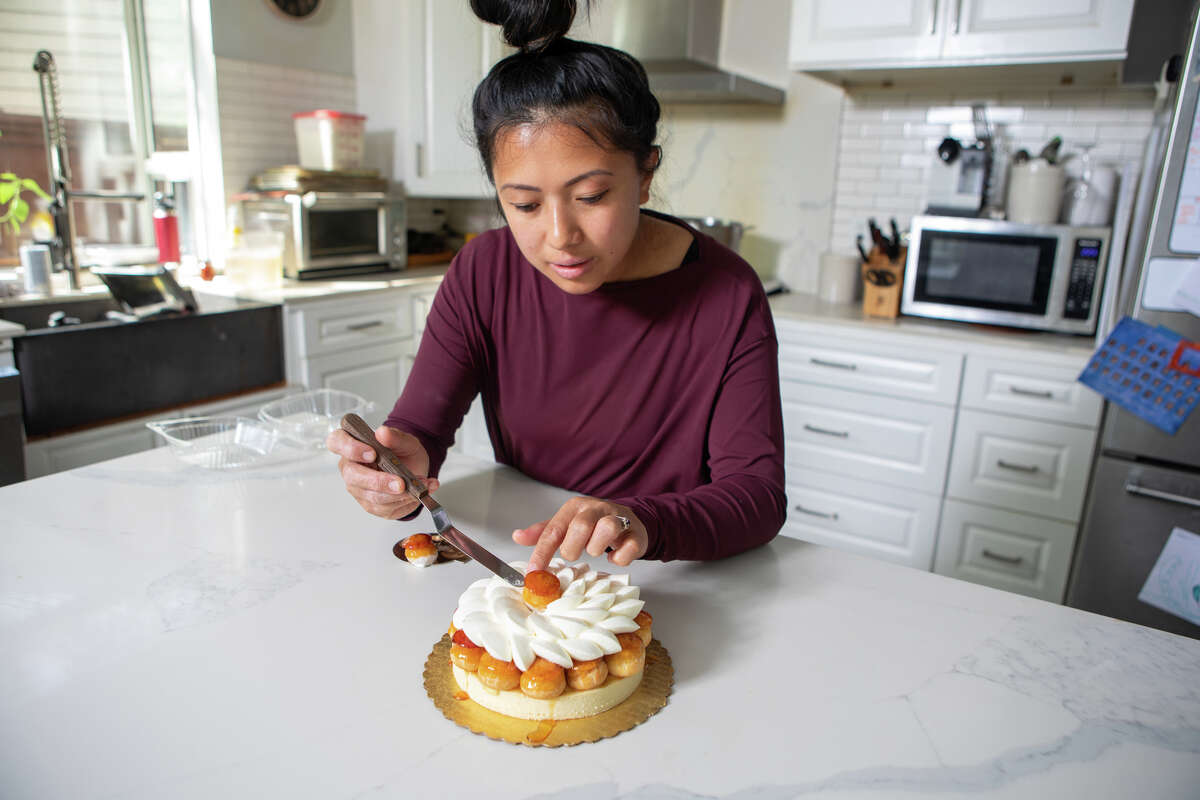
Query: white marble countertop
849, 317
172, 632
292, 292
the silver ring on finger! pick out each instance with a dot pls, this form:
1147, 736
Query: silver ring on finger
623, 520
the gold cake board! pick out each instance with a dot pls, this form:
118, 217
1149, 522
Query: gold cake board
646, 700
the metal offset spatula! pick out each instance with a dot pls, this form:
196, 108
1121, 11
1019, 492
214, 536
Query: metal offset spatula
354, 425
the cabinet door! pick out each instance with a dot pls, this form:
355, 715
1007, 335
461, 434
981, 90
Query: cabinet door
1004, 549
376, 373
862, 517
1007, 31
893, 442
865, 32
1022, 464
455, 50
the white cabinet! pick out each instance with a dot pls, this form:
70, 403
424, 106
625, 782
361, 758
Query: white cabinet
450, 50
837, 31
867, 431
849, 34
957, 455
1004, 549
358, 343
1023, 449
67, 451
1033, 29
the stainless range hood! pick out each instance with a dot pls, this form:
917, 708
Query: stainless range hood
678, 42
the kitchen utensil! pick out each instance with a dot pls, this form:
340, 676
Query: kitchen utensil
387, 461
880, 277
1049, 152
838, 281
306, 419
858, 242
958, 177
876, 235
1035, 192
726, 232
894, 252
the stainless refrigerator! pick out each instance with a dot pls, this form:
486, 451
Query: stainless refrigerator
1145, 482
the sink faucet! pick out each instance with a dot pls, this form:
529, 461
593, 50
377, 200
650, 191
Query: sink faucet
54, 130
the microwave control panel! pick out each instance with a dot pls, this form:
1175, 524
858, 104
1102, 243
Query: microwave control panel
1081, 285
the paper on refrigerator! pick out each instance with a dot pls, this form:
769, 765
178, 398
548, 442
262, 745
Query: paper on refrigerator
1187, 294
1174, 583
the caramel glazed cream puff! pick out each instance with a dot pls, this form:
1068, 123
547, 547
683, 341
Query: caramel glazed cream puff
571, 644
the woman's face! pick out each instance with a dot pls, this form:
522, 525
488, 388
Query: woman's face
571, 204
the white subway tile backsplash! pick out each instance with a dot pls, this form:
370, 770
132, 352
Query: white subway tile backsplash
256, 103
888, 140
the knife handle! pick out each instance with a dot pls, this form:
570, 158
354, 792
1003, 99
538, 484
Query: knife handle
387, 461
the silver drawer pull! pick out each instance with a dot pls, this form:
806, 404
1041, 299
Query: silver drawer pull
1030, 468
812, 513
1043, 393
1133, 488
362, 326
1013, 560
820, 362
815, 429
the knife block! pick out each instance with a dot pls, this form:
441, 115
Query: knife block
880, 300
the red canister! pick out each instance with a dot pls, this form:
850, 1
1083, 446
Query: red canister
166, 230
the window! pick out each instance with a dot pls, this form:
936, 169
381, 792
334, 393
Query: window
124, 81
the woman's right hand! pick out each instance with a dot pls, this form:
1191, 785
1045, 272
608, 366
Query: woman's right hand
380, 493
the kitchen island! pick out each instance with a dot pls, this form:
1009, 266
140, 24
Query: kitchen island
167, 631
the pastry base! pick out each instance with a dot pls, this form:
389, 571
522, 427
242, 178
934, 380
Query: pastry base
647, 698
571, 704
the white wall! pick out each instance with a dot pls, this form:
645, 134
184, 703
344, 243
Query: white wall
888, 139
768, 167
249, 30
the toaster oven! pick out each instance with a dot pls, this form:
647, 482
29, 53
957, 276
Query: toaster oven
331, 234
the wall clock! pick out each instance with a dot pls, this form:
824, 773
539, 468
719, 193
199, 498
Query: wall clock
295, 9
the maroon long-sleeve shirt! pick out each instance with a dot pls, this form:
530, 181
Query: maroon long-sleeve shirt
661, 394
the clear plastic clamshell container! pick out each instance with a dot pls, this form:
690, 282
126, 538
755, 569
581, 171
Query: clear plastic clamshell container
217, 442
306, 419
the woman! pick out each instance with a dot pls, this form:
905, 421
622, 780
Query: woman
619, 353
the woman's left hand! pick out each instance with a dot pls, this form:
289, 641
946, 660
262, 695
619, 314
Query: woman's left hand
585, 523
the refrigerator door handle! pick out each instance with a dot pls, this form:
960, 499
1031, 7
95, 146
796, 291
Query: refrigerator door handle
1134, 488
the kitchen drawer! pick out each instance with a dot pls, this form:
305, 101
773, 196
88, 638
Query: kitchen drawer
890, 441
332, 327
1022, 464
862, 517
1016, 552
1040, 391
868, 365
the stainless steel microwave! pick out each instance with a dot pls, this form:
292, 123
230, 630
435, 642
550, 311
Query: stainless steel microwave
331, 234
1043, 277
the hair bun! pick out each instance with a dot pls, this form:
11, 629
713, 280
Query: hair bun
529, 25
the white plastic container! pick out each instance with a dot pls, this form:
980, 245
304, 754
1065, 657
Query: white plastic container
329, 139
306, 419
1035, 192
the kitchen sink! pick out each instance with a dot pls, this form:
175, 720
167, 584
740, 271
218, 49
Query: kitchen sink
102, 370
37, 315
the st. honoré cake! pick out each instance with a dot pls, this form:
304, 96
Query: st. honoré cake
570, 644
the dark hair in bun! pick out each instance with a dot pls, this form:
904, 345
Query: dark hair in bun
600, 90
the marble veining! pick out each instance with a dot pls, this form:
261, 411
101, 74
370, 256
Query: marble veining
168, 631
214, 585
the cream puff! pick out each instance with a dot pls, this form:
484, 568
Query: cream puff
419, 550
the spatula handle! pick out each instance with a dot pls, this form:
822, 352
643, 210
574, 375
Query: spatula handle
387, 461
